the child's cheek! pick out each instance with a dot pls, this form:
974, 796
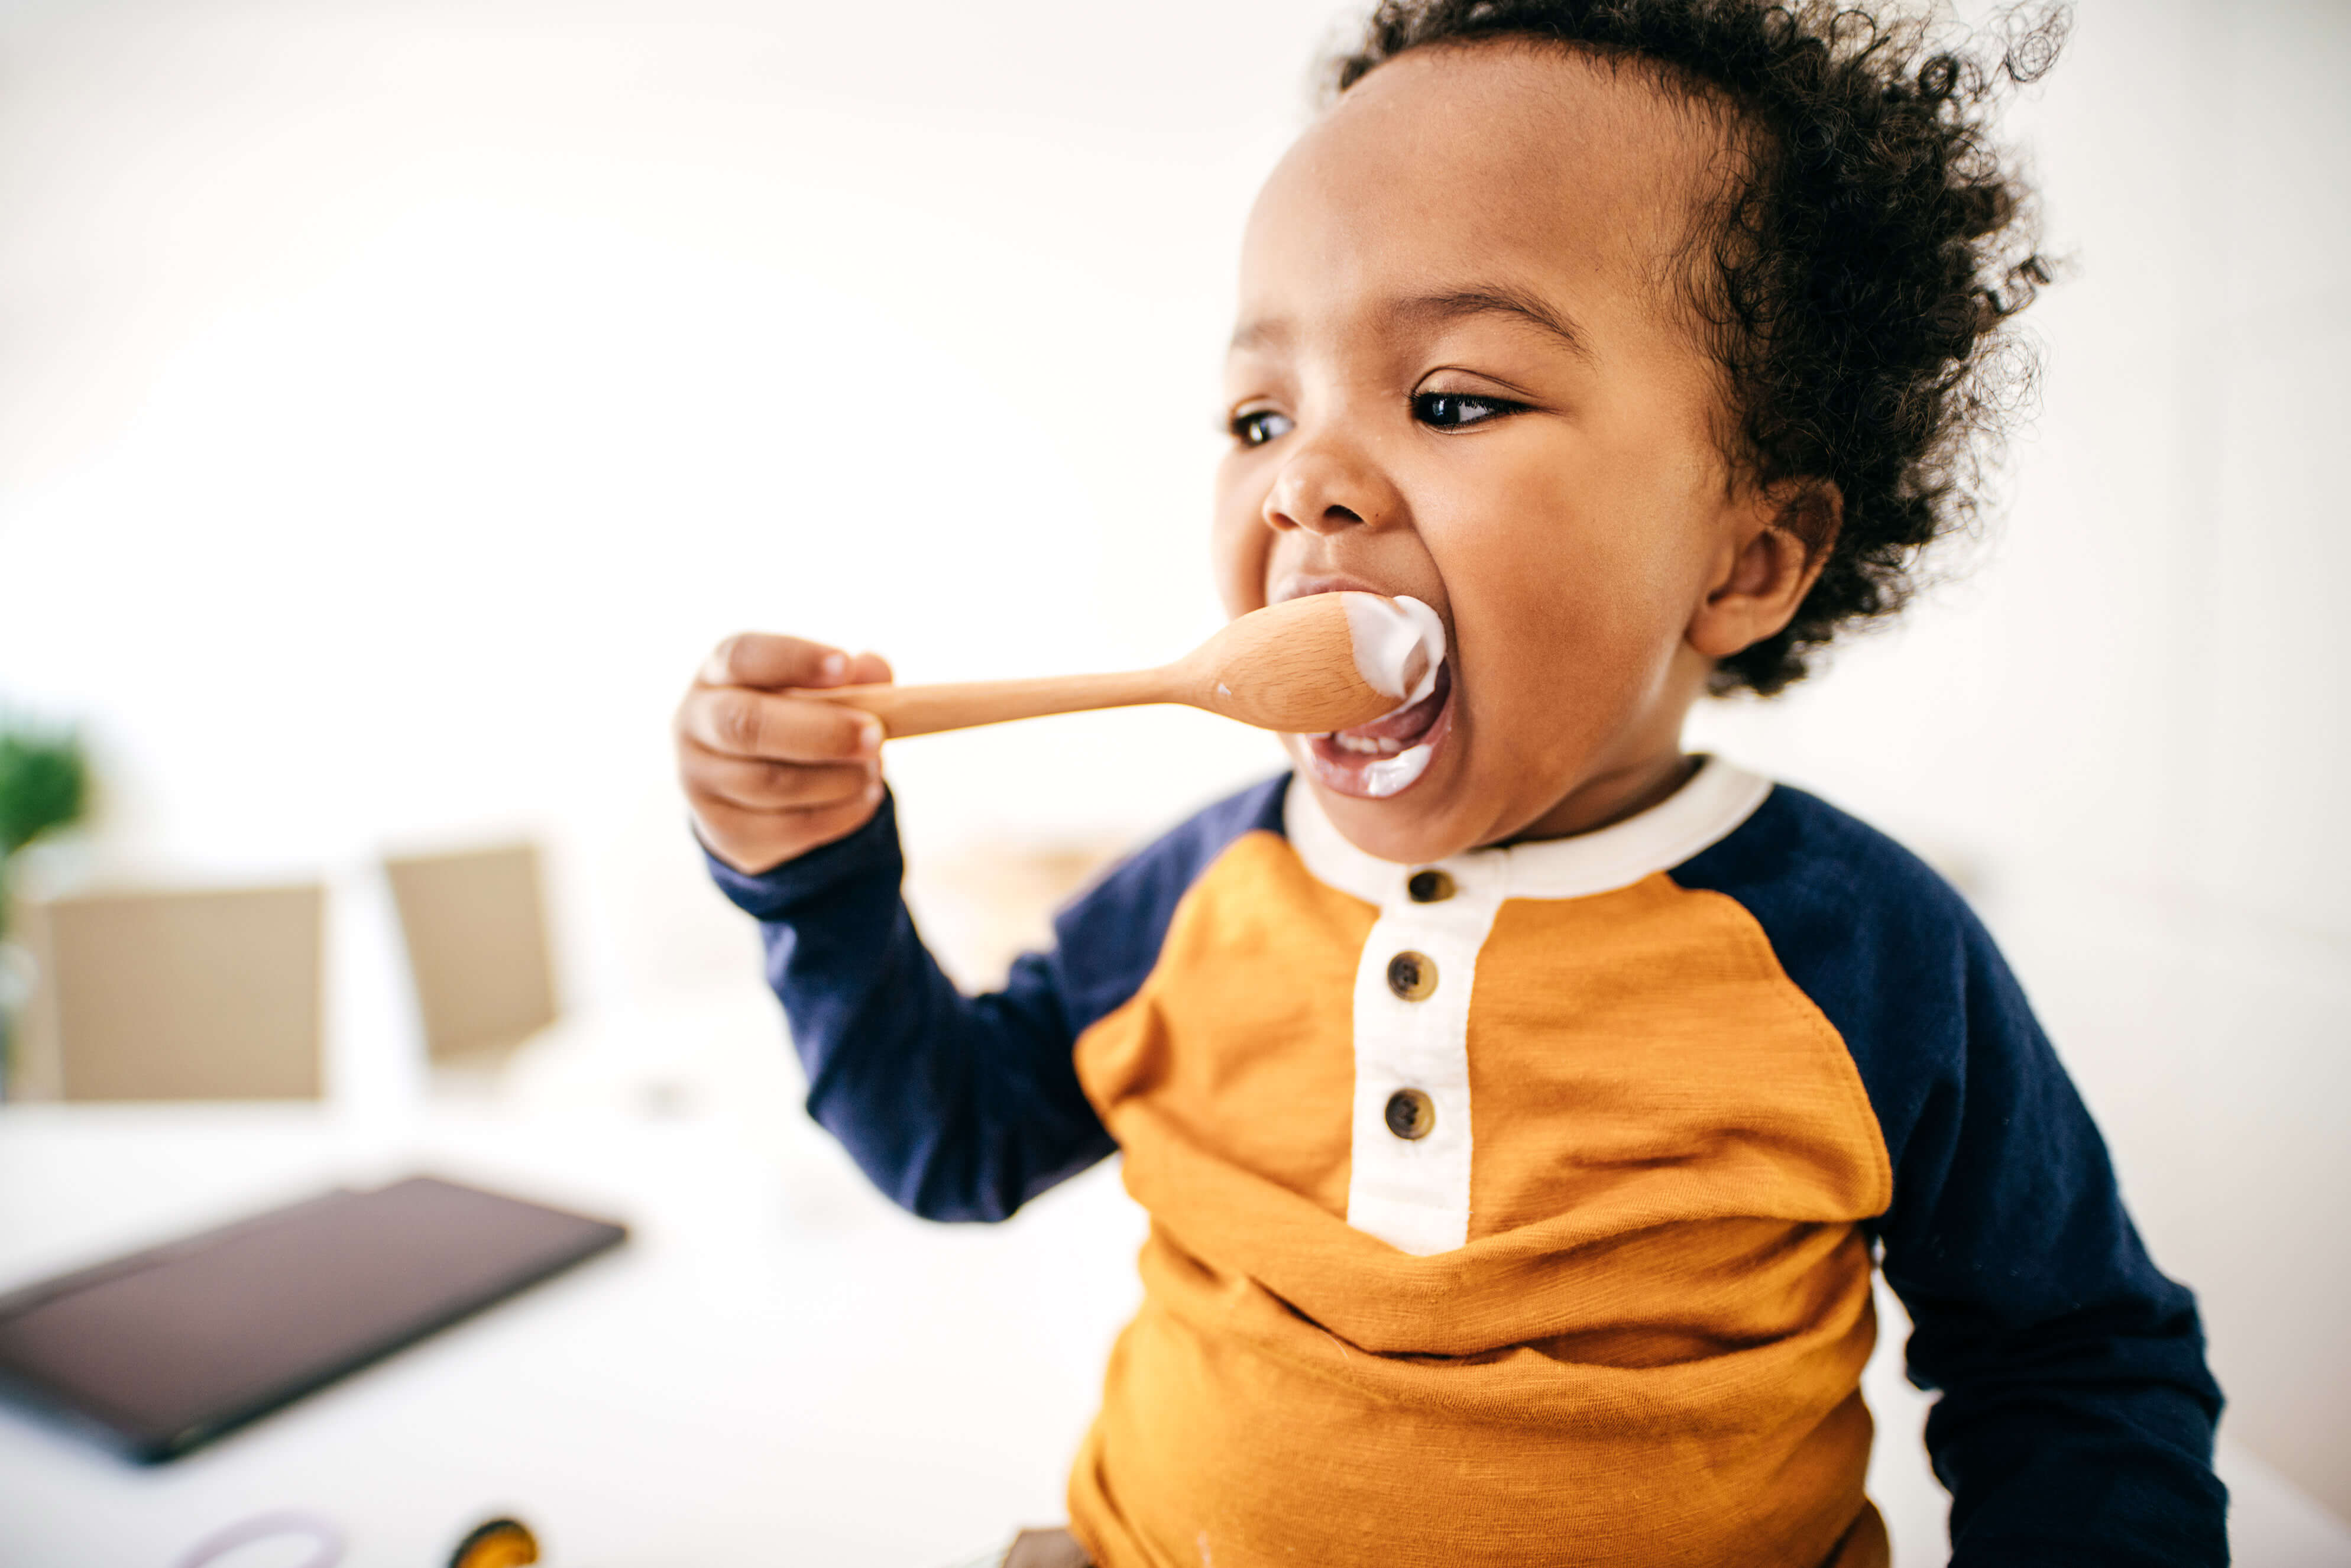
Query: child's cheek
1561, 631
1238, 543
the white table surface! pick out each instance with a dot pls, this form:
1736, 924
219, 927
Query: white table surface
778, 1368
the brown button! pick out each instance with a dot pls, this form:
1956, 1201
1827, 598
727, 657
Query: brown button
1411, 1115
1430, 887
1411, 976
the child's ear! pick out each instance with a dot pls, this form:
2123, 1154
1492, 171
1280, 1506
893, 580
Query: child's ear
1779, 540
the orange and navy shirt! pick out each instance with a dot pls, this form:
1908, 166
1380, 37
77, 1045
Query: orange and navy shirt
1522, 1208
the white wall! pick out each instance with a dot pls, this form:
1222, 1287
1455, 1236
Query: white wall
2127, 722
396, 399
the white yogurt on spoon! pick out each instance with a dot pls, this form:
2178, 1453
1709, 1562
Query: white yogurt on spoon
1385, 632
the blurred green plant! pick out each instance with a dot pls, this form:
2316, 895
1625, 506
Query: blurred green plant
44, 785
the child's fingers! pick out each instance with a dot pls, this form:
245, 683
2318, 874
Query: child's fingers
774, 786
758, 841
869, 670
827, 823
770, 662
736, 722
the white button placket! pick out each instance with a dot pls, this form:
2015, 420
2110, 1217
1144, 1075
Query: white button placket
1413, 1192
1410, 1183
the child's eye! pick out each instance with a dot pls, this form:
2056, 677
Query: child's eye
1451, 411
1259, 425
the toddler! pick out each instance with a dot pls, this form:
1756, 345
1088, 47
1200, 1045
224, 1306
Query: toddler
1520, 1104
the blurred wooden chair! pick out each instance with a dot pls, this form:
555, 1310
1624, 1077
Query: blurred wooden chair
981, 905
475, 924
199, 994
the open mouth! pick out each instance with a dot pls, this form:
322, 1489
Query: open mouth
1387, 756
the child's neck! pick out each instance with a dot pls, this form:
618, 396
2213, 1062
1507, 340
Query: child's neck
1610, 797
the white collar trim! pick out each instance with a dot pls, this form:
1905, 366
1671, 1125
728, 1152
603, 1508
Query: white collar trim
1704, 811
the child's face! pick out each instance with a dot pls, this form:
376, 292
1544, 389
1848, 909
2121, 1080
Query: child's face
1462, 373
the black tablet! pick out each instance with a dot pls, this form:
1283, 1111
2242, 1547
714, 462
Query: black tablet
165, 1349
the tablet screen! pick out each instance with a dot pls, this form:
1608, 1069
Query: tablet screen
167, 1348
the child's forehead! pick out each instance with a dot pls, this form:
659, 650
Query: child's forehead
1496, 160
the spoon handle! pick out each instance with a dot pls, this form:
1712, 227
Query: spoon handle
926, 710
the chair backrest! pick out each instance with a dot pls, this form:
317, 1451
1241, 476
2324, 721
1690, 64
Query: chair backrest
195, 995
475, 926
981, 906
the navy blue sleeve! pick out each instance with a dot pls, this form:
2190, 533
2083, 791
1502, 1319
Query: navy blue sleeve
2075, 1425
961, 1107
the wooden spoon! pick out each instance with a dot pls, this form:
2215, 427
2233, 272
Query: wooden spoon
1306, 666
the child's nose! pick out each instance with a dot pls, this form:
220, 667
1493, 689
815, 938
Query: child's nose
1326, 487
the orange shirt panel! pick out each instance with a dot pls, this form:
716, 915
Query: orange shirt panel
1257, 980
1640, 1056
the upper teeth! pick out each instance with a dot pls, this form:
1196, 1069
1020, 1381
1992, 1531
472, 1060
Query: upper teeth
1367, 746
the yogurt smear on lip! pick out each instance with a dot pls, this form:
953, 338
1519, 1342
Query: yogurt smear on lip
1390, 773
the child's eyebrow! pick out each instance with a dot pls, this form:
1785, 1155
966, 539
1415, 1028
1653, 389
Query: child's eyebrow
1260, 332
1436, 309
1496, 300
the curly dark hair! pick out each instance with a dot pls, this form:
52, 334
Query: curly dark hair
1854, 276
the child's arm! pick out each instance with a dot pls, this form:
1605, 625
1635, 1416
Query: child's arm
962, 1107
958, 1108
2076, 1417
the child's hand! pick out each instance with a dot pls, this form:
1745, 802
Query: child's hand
771, 777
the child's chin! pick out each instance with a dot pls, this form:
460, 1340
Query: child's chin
1389, 805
